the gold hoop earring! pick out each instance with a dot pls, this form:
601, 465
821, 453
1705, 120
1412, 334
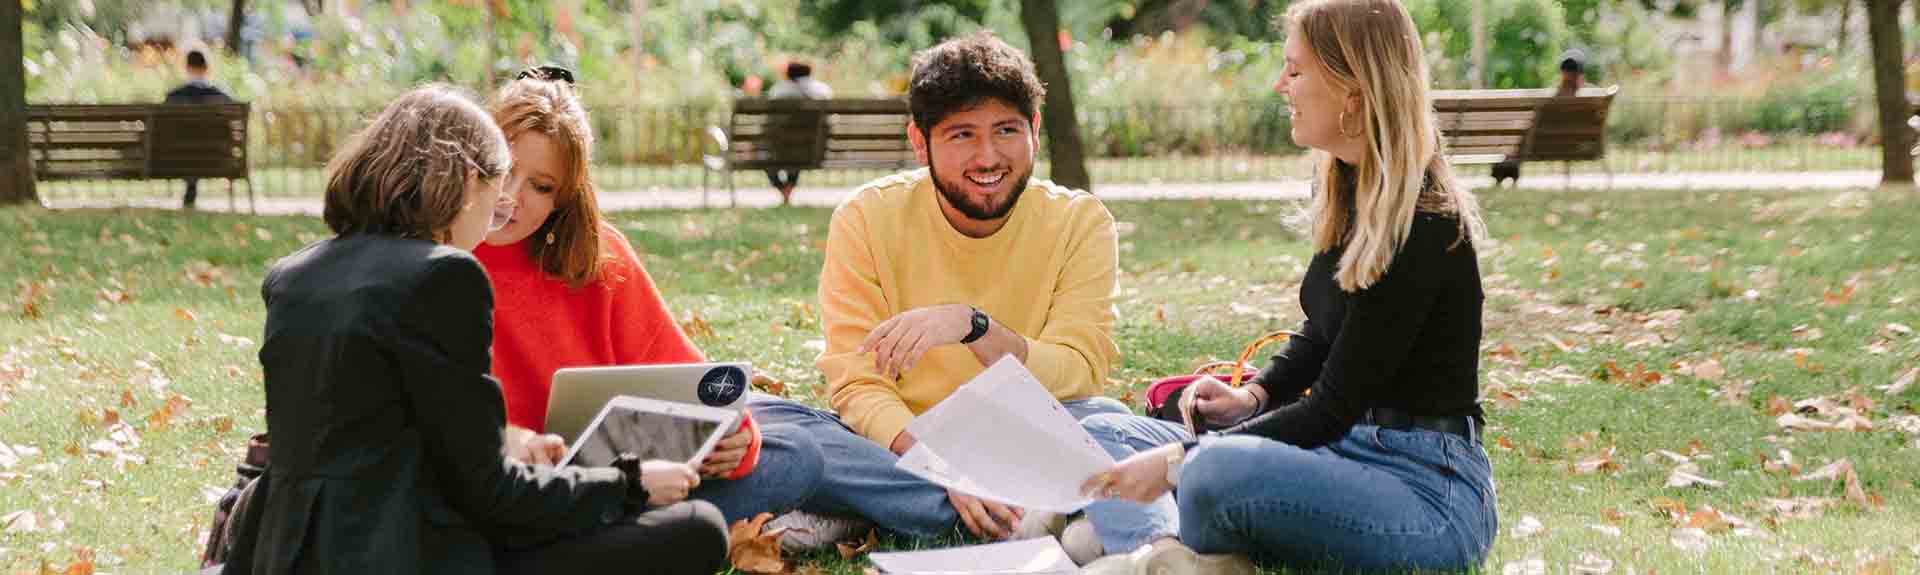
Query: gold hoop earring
1343, 126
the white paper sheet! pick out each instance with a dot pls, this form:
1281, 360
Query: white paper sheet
1031, 556
1003, 437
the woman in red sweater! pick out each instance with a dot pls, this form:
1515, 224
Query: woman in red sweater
571, 292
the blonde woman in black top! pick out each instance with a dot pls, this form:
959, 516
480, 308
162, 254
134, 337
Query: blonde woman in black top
1381, 466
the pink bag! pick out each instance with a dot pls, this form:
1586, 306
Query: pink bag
1165, 402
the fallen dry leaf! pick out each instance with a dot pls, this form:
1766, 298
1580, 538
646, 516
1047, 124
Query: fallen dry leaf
1687, 475
22, 521
1709, 370
696, 326
1691, 539
849, 552
1839, 297
1829, 471
1530, 566
751, 550
163, 417
766, 383
1591, 564
1777, 406
1900, 384
185, 314
82, 562
1529, 526
1875, 566
1602, 462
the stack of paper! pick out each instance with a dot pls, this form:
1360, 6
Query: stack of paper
1004, 438
1011, 558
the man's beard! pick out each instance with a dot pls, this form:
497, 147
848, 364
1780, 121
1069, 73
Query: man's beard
959, 200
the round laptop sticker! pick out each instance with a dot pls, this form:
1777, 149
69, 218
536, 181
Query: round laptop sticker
721, 386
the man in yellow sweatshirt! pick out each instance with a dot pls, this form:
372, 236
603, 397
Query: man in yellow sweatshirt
935, 273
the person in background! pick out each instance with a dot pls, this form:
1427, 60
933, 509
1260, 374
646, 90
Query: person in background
799, 85
199, 89
1573, 77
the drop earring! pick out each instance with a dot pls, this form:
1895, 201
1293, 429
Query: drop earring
549, 238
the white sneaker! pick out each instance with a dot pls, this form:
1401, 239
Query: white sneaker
1169, 557
1075, 533
1037, 524
1082, 544
807, 532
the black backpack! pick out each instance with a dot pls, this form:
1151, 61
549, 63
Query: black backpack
236, 517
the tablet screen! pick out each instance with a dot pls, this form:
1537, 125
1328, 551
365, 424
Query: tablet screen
649, 435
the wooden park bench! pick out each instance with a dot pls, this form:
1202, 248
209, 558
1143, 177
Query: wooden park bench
1494, 126
139, 142
798, 134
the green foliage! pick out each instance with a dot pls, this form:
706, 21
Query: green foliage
1524, 41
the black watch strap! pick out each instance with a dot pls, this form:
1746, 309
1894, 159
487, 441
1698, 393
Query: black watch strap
980, 324
629, 465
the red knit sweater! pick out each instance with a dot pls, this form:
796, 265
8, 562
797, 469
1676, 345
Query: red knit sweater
540, 325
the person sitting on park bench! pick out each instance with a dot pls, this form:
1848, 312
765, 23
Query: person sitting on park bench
799, 85
198, 90
1344, 476
1573, 76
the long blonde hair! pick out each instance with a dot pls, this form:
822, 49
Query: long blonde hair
1371, 48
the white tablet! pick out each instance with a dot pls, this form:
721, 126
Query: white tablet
651, 429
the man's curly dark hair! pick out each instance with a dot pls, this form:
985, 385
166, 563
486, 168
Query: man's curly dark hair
961, 73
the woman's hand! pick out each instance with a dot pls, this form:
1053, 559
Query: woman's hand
727, 454
531, 448
667, 482
1220, 405
1141, 478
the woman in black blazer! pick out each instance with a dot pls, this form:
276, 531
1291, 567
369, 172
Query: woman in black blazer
386, 452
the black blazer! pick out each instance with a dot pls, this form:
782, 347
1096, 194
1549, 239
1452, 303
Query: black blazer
386, 452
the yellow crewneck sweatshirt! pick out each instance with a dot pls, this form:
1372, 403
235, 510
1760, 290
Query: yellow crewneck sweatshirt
1049, 275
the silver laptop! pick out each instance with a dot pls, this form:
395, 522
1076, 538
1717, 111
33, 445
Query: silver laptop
578, 393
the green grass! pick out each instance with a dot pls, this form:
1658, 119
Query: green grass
135, 304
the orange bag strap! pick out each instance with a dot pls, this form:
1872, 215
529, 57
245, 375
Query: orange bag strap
1239, 367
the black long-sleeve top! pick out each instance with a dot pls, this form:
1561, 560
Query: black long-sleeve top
1410, 341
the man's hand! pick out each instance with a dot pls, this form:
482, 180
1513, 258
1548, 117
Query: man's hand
525, 446
898, 343
902, 442
727, 454
1140, 478
985, 519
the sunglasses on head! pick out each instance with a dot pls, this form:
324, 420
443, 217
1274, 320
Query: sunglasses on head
548, 73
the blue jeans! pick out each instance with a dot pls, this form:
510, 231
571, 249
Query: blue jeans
857, 477
1376, 499
790, 467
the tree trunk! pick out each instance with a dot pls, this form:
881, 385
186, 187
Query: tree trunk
1477, 68
1723, 60
236, 18
636, 25
16, 173
1846, 15
1889, 84
1041, 18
